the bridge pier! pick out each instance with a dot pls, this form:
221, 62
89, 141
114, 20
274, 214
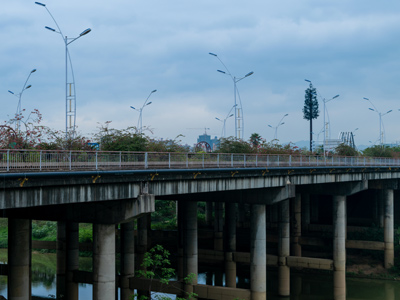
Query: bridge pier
61, 246
218, 226
230, 229
258, 253
72, 261
127, 259
296, 225
284, 249
339, 247
305, 212
388, 228
190, 249
19, 259
104, 277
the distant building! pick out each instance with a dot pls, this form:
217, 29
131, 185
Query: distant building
205, 138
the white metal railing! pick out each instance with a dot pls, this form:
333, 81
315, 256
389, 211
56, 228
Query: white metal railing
43, 160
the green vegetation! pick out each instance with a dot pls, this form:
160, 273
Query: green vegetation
156, 265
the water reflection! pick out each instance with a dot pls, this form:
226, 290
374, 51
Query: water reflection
304, 286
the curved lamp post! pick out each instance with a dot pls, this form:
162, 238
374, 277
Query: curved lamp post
18, 113
223, 133
327, 128
70, 92
140, 110
239, 126
381, 132
277, 126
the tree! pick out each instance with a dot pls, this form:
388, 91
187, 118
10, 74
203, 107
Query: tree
310, 109
255, 140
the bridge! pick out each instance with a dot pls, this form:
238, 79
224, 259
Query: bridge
285, 194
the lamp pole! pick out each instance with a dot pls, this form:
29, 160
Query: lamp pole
140, 110
18, 114
326, 125
223, 133
238, 109
70, 91
381, 134
277, 126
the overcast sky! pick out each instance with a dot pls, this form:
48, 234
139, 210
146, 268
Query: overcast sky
345, 47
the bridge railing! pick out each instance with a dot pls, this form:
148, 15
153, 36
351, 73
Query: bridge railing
33, 160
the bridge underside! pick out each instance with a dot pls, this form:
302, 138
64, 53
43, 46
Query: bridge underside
251, 219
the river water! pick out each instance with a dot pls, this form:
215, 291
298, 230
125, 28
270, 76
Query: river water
303, 286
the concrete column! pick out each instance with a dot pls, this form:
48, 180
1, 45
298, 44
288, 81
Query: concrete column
230, 227
339, 247
19, 259
190, 250
72, 263
181, 236
127, 259
284, 249
219, 227
296, 225
258, 253
61, 259
274, 214
381, 207
104, 279
209, 211
388, 228
305, 212
142, 245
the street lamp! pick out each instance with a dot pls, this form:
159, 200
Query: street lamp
223, 133
326, 124
18, 114
381, 132
239, 126
140, 110
70, 92
277, 126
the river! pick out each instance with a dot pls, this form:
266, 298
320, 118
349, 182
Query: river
303, 286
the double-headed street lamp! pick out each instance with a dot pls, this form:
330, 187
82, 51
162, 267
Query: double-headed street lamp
70, 92
18, 114
277, 126
239, 121
140, 110
223, 133
327, 128
381, 127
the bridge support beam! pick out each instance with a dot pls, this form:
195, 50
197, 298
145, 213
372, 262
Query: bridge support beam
230, 229
190, 249
127, 259
258, 253
104, 278
339, 247
284, 249
388, 228
19, 259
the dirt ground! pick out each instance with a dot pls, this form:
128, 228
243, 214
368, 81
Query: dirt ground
366, 266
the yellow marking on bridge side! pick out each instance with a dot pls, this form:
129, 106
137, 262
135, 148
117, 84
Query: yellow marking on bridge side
95, 178
331, 170
363, 170
266, 171
290, 172
234, 173
313, 170
195, 175
153, 175
348, 170
23, 180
